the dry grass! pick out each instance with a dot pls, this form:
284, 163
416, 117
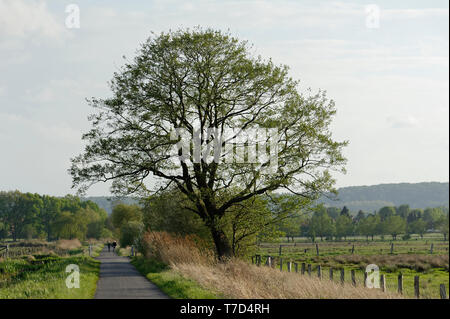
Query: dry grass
68, 244
176, 249
238, 279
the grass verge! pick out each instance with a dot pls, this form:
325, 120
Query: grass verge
44, 277
170, 282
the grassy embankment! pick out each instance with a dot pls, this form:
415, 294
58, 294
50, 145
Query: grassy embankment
171, 260
43, 274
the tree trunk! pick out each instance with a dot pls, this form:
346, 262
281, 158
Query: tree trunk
14, 232
221, 242
48, 232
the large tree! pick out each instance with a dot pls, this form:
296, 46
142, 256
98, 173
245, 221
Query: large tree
196, 80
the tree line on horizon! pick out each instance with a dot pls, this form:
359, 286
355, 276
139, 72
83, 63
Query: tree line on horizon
28, 215
333, 223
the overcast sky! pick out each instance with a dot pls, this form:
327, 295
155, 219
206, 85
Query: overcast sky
389, 81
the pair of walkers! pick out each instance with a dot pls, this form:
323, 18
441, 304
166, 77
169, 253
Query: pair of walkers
113, 244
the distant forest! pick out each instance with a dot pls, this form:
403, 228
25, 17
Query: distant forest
372, 198
355, 198
108, 203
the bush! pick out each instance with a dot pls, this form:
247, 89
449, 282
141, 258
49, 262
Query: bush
171, 249
406, 237
130, 233
106, 233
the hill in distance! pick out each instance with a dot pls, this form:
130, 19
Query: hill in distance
366, 198
371, 198
108, 202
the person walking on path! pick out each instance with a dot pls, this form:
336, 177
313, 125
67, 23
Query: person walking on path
114, 244
109, 246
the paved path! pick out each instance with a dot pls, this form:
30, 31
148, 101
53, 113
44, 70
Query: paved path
120, 280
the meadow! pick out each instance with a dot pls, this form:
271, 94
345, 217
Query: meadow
37, 270
410, 258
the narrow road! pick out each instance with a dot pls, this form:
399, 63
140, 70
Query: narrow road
120, 280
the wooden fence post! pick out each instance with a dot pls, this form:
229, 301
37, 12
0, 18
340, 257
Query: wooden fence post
7, 251
319, 272
353, 249
342, 276
365, 279
416, 287
309, 270
289, 266
392, 248
279, 251
352, 272
431, 248
281, 264
253, 260
317, 249
400, 284
258, 260
442, 291
90, 250
303, 268
331, 274
383, 283
296, 267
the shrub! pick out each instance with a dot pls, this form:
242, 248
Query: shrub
172, 249
68, 243
130, 232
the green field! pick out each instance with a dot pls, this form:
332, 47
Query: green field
37, 270
45, 278
410, 258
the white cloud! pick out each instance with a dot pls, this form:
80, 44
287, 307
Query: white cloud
414, 13
407, 121
57, 132
19, 18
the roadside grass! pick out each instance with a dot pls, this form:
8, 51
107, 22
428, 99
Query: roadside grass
97, 248
170, 282
123, 251
237, 279
44, 277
